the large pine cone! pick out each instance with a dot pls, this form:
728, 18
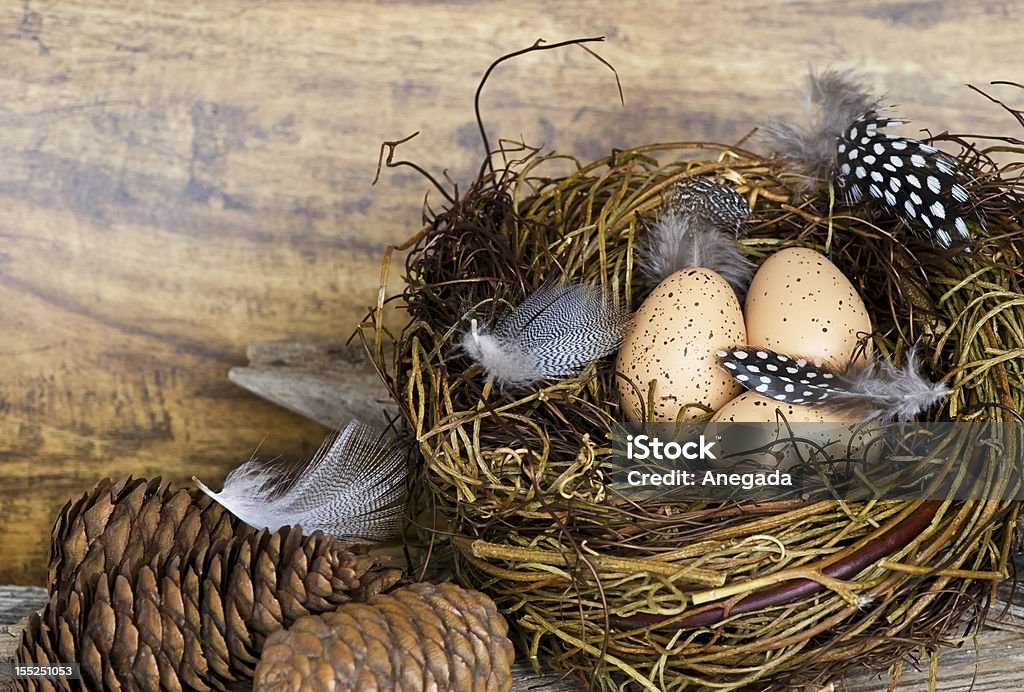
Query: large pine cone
140, 522
176, 596
420, 637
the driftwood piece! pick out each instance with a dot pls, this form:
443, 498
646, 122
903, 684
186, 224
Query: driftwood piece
322, 379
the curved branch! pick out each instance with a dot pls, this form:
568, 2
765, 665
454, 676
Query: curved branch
537, 45
888, 543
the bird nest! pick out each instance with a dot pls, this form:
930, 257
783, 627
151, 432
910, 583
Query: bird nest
670, 594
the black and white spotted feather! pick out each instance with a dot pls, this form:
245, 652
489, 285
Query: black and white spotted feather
715, 204
551, 335
351, 489
914, 181
697, 228
844, 141
874, 391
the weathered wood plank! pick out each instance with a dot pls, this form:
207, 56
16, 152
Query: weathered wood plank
322, 379
993, 661
16, 604
18, 601
178, 180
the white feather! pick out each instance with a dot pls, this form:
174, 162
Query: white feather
678, 240
350, 490
551, 335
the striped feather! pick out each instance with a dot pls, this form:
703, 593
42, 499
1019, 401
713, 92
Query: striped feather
351, 489
551, 335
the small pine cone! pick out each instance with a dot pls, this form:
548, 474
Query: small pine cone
420, 637
169, 590
140, 522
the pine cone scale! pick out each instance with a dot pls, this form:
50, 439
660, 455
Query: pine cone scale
96, 517
241, 644
145, 667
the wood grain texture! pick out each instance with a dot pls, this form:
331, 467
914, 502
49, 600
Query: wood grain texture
991, 661
180, 179
323, 379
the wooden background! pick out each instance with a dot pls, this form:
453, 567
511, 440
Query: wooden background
178, 179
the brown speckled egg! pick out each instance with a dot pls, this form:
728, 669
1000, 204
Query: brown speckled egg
800, 304
674, 338
751, 407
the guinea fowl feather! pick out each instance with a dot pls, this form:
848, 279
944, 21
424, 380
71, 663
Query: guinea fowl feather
351, 489
834, 99
842, 138
698, 228
554, 333
877, 390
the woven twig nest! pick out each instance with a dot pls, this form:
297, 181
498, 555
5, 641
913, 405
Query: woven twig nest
674, 595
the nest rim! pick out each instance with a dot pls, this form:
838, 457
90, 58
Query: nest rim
496, 495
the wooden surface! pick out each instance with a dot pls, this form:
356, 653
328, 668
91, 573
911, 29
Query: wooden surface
322, 379
991, 661
178, 179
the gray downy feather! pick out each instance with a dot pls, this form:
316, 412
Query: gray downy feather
834, 100
678, 240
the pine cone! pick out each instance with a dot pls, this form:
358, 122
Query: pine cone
420, 637
140, 523
169, 590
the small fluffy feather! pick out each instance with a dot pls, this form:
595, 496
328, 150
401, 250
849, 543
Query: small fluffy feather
874, 391
835, 99
887, 392
678, 240
350, 490
553, 334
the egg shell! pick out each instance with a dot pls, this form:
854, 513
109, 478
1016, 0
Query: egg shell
751, 407
676, 333
800, 304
